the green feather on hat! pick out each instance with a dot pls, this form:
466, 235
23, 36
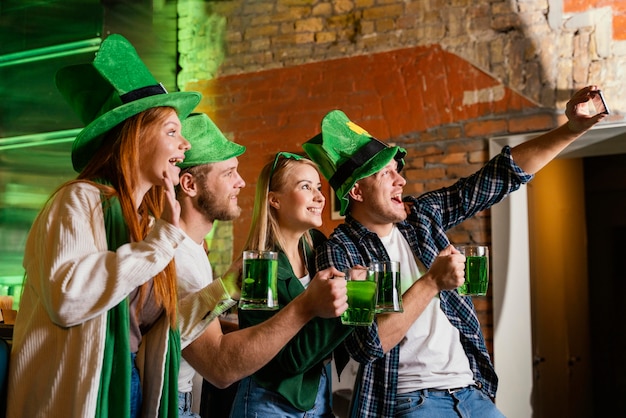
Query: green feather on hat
208, 143
115, 87
347, 153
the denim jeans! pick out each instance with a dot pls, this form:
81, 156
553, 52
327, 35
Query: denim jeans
469, 402
254, 401
135, 389
184, 405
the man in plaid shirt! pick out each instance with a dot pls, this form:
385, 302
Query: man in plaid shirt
431, 359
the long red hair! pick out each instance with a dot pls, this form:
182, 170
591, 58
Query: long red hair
117, 161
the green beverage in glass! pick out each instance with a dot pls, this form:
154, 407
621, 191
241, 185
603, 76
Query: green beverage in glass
476, 270
389, 289
362, 291
259, 283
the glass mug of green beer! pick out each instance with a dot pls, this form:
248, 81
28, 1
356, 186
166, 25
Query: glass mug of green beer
362, 292
389, 290
259, 283
476, 270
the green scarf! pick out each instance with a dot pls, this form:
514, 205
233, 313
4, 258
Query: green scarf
114, 391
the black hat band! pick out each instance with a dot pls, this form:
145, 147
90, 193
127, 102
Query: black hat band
364, 154
143, 92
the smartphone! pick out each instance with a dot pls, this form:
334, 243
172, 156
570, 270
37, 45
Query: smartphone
599, 103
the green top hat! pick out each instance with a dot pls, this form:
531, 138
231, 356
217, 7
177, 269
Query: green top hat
208, 143
115, 87
346, 153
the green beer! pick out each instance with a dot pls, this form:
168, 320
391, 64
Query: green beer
476, 276
361, 302
258, 287
389, 289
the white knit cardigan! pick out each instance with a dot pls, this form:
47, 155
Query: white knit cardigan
73, 280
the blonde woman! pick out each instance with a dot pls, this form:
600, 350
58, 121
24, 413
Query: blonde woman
288, 208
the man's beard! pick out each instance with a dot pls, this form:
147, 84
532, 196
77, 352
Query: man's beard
215, 209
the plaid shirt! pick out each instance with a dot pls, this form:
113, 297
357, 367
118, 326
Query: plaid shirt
431, 215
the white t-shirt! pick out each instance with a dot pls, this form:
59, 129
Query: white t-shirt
431, 354
193, 272
305, 280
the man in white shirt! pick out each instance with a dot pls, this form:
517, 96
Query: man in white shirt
430, 360
208, 190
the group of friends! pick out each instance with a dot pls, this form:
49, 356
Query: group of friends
120, 306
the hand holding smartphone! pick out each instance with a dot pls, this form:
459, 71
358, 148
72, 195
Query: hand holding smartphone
597, 99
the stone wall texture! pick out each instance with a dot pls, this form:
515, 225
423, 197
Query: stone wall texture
539, 48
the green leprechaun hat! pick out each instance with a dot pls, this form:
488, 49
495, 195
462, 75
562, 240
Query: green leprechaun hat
208, 143
115, 87
346, 153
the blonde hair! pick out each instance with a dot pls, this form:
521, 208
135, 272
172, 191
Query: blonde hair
264, 234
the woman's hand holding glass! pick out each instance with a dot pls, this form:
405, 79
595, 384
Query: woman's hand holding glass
324, 296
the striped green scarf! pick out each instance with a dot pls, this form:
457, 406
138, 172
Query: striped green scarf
114, 391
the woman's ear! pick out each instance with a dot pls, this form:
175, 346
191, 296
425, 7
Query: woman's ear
273, 200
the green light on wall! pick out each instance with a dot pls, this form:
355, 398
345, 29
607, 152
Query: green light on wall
46, 138
50, 52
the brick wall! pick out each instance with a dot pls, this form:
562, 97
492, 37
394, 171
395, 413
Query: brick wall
541, 49
438, 77
617, 7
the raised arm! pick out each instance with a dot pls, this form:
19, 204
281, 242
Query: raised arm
533, 155
222, 359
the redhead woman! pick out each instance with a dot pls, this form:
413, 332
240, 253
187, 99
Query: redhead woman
96, 332
288, 208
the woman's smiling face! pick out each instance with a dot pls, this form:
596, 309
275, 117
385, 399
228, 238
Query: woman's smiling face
300, 202
164, 148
